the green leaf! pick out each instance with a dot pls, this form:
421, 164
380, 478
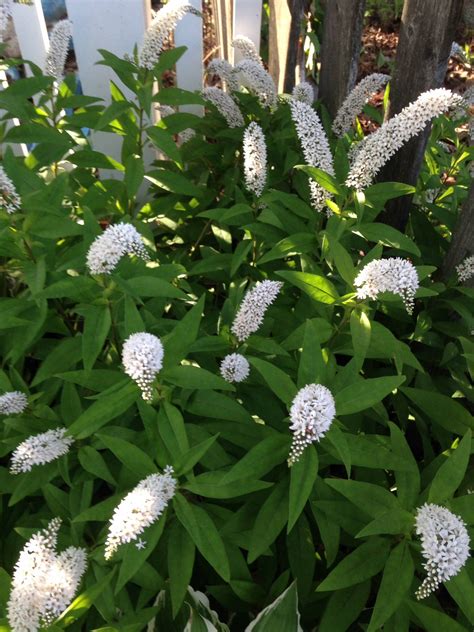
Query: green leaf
293, 245
99, 513
194, 377
278, 381
394, 521
344, 606
461, 589
162, 139
204, 534
211, 485
189, 459
360, 332
312, 366
408, 480
129, 454
365, 562
81, 604
328, 182
302, 476
372, 499
382, 191
364, 394
94, 160
388, 236
396, 581
280, 616
316, 286
262, 458
97, 324
181, 553
451, 474
270, 520
174, 182
177, 343
92, 461
134, 173
443, 410
102, 411
64, 355
434, 620
147, 286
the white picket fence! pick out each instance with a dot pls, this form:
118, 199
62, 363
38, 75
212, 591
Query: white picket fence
117, 25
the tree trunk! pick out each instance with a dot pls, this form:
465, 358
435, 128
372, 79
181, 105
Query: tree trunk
340, 51
462, 242
285, 47
426, 35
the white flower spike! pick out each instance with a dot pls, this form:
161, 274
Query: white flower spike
253, 307
224, 70
355, 101
375, 150
140, 509
465, 269
142, 359
114, 243
40, 449
246, 48
9, 198
253, 76
235, 368
162, 25
311, 415
444, 545
58, 48
44, 582
304, 92
255, 159
395, 275
225, 105
13, 403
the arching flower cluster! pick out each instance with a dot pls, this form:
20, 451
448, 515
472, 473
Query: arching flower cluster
142, 359
246, 48
162, 25
225, 105
13, 403
253, 76
465, 269
315, 146
40, 449
114, 243
395, 275
9, 198
44, 582
444, 545
355, 101
140, 509
235, 367
224, 70
311, 415
5, 13
303, 92
375, 150
58, 48
255, 159
252, 309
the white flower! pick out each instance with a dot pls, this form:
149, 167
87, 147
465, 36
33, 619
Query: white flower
162, 25
58, 47
40, 449
224, 70
235, 368
9, 198
139, 509
114, 243
303, 92
375, 150
444, 544
395, 275
13, 403
311, 415
142, 359
186, 135
225, 105
44, 582
165, 110
253, 307
246, 48
253, 76
315, 146
355, 101
255, 159
465, 269
5, 13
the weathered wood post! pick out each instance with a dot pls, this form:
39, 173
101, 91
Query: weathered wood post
284, 49
462, 243
340, 51
426, 35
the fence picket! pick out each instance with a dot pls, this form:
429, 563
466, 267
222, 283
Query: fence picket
31, 32
247, 20
189, 68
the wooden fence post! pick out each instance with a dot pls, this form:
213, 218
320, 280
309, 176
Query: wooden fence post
189, 68
30, 28
222, 10
284, 46
462, 243
115, 25
247, 20
426, 36
340, 51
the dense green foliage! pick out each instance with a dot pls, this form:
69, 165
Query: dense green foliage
243, 527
